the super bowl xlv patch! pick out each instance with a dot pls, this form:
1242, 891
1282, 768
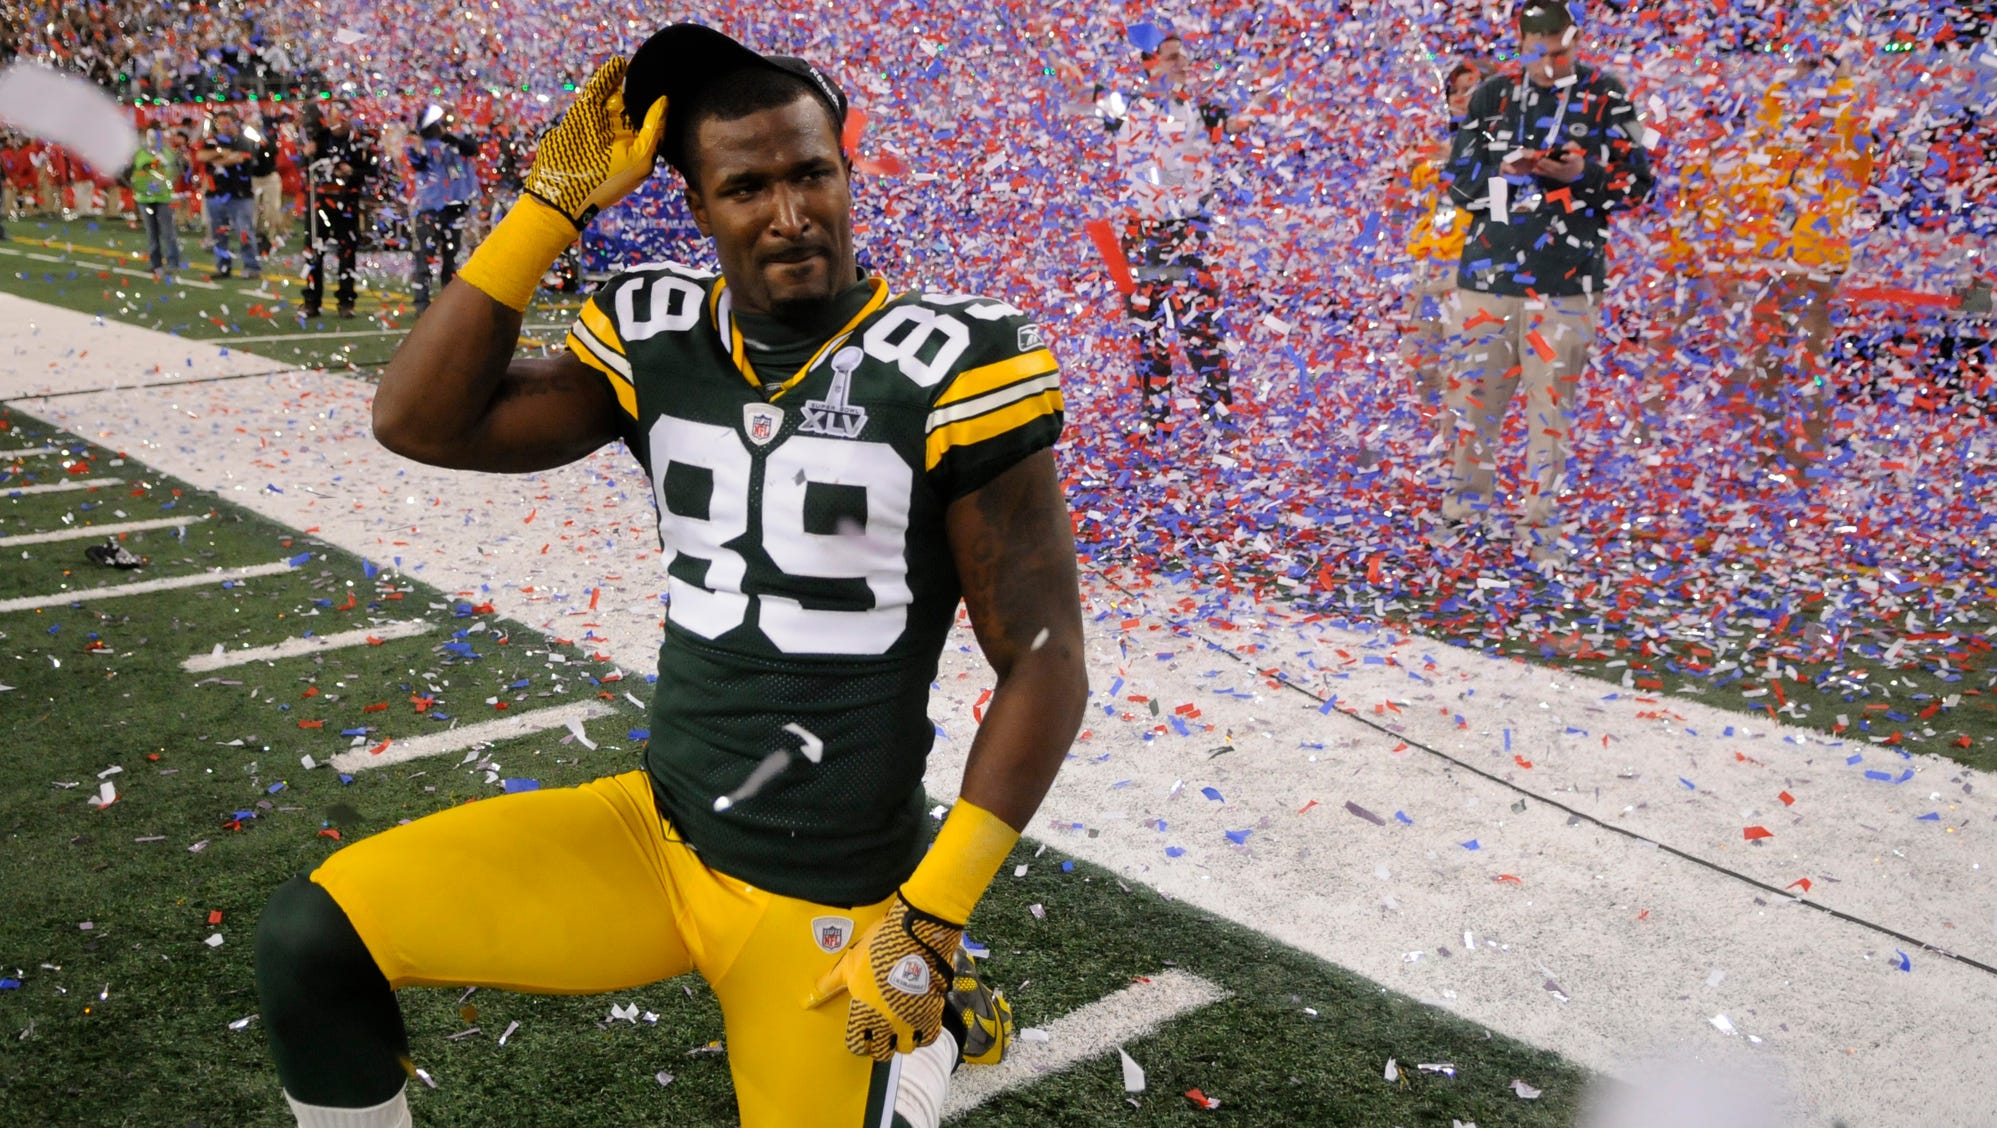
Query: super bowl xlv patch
833, 416
761, 422
831, 932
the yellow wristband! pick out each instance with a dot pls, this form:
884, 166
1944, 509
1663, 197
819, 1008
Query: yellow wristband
508, 266
960, 864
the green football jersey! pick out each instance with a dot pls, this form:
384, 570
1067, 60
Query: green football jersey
809, 579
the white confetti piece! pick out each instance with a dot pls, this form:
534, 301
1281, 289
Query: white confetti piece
1723, 1024
214, 940
624, 1014
510, 1028
1526, 1092
1133, 1073
243, 1022
1393, 1070
575, 730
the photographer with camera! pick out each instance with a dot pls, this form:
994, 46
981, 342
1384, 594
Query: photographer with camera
446, 186
341, 163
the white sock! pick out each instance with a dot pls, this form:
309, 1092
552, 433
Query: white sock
925, 1081
391, 1113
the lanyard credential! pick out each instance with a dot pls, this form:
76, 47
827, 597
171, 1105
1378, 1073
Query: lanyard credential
1559, 114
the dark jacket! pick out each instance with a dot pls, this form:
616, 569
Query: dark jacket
1558, 247
330, 150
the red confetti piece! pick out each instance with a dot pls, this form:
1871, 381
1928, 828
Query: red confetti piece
1508, 879
1540, 346
330, 832
312, 724
215, 916
530, 520
1755, 833
1307, 806
1201, 1099
377, 707
1788, 800
1522, 762
1107, 245
1802, 881
380, 748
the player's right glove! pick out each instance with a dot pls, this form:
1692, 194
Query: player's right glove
588, 161
591, 159
896, 975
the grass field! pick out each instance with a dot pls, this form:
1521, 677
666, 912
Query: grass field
1939, 697
120, 1009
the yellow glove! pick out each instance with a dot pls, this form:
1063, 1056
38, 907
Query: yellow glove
591, 159
898, 971
896, 974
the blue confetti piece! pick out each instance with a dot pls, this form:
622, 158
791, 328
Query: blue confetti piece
1212, 794
1931, 816
274, 788
1854, 758
300, 560
240, 816
1689, 785
1508, 740
1067, 867
1883, 777
1328, 706
1239, 837
1145, 36
1116, 687
368, 569
1402, 817
1905, 964
515, 786
639, 734
1174, 851
354, 732
1904, 776
345, 778
1470, 845
8, 983
523, 683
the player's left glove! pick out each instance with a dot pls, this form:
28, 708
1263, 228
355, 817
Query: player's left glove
898, 971
896, 974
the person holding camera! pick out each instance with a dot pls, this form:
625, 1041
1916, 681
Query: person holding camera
230, 157
1544, 158
446, 184
341, 163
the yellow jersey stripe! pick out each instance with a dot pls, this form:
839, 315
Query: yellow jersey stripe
968, 432
616, 360
944, 416
627, 395
599, 323
978, 381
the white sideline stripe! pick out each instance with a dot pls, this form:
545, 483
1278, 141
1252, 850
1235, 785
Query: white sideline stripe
464, 736
295, 647
85, 595
1096, 1029
59, 487
85, 532
28, 452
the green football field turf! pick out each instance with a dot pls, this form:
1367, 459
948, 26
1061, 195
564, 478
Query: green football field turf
120, 1011
1948, 710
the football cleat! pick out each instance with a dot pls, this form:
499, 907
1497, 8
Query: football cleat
986, 1013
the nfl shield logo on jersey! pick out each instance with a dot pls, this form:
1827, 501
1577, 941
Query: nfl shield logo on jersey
761, 422
831, 932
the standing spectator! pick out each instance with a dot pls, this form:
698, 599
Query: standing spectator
230, 156
17, 166
1164, 138
1811, 158
154, 170
1542, 160
341, 165
446, 185
267, 186
1435, 245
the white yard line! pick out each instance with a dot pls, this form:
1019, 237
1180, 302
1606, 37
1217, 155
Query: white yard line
92, 532
90, 595
297, 647
309, 335
28, 452
464, 736
1078, 1036
61, 487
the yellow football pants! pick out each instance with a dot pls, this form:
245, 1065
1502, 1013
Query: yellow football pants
586, 890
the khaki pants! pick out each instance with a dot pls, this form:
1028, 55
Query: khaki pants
1424, 329
1532, 348
269, 194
